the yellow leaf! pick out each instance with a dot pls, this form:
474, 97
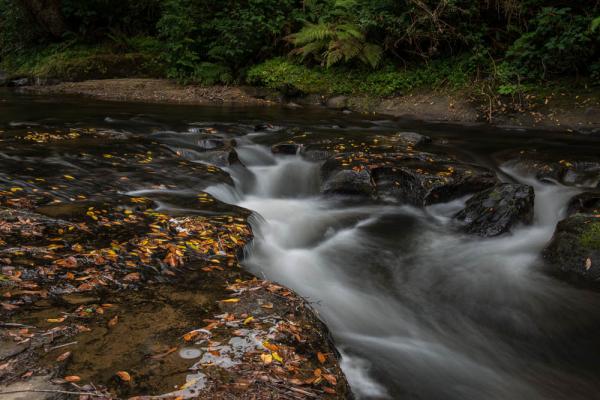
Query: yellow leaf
248, 320
277, 357
266, 358
56, 320
69, 177
230, 301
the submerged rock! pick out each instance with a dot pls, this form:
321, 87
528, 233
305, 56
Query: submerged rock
412, 138
575, 247
494, 211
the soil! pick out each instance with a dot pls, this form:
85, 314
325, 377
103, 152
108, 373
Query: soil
560, 111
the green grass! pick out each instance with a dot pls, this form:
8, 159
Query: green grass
73, 62
282, 74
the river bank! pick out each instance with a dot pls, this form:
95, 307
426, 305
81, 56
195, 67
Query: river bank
553, 111
109, 293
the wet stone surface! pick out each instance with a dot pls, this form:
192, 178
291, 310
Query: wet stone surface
104, 293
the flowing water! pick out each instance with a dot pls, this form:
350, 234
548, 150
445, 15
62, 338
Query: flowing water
417, 310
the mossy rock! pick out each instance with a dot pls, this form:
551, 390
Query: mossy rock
575, 247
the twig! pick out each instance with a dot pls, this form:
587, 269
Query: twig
53, 391
60, 345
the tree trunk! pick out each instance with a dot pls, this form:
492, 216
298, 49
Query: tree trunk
47, 14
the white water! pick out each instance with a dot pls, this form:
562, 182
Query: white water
430, 313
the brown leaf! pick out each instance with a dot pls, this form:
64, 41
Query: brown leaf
8, 306
329, 390
63, 356
72, 378
330, 378
113, 321
132, 277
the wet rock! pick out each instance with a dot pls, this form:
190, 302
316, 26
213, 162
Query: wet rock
337, 102
409, 177
35, 388
286, 148
349, 182
412, 138
10, 348
262, 127
584, 203
550, 169
221, 158
494, 211
575, 248
20, 82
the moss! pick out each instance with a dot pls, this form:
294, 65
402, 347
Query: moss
590, 238
78, 62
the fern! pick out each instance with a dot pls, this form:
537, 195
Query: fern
330, 44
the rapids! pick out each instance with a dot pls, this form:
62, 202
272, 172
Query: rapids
418, 310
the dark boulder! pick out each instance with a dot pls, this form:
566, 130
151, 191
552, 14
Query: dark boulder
494, 211
575, 248
286, 148
584, 203
350, 182
410, 177
337, 102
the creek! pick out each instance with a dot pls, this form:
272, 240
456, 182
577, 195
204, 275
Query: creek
418, 310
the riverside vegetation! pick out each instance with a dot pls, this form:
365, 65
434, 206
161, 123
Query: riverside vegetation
505, 54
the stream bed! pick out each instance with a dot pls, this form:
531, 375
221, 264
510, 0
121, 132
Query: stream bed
418, 309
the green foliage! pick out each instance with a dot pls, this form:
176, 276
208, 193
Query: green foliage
281, 74
16, 30
96, 19
559, 42
331, 44
78, 62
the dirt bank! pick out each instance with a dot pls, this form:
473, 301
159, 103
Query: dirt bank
571, 112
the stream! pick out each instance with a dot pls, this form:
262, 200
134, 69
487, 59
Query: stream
417, 310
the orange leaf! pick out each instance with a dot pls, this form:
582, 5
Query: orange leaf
321, 357
72, 378
124, 375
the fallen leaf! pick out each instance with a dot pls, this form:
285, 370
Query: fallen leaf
190, 335
72, 378
267, 306
330, 378
63, 356
56, 320
329, 390
321, 357
317, 372
124, 375
248, 320
277, 357
270, 346
588, 264
230, 301
113, 321
266, 358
